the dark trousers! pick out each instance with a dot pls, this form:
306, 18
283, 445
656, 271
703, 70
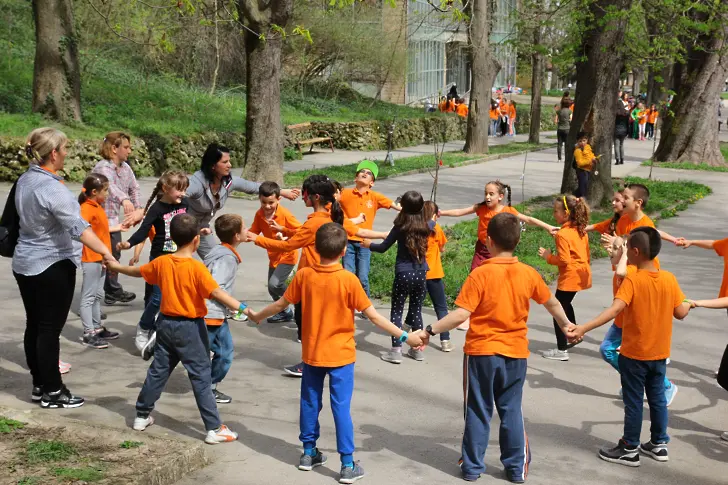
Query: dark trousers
298, 317
619, 147
723, 370
181, 340
112, 285
408, 284
561, 136
47, 300
582, 178
489, 380
565, 298
640, 377
650, 130
436, 290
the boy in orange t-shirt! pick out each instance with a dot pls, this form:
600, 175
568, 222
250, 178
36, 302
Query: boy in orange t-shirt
181, 334
462, 108
495, 297
648, 299
274, 221
329, 296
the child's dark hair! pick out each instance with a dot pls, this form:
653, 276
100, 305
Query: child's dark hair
331, 240
227, 226
183, 228
323, 186
337, 185
647, 240
171, 178
505, 231
267, 189
212, 155
503, 189
615, 218
577, 211
640, 192
430, 209
582, 135
94, 181
412, 223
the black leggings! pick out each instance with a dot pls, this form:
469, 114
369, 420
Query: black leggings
565, 298
412, 285
561, 136
47, 299
723, 371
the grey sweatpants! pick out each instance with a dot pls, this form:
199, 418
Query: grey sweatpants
277, 280
92, 291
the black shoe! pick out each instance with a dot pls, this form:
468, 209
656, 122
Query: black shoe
104, 316
105, 334
308, 462
36, 394
515, 479
93, 341
622, 454
120, 297
221, 398
60, 399
656, 451
295, 370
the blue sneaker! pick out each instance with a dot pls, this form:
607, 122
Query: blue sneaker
350, 474
284, 316
670, 393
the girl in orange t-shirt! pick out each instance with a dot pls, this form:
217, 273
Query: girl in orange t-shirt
93, 195
652, 115
573, 260
435, 275
511, 118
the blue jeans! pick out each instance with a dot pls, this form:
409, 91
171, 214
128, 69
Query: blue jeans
149, 316
436, 290
341, 388
221, 344
181, 340
489, 380
610, 344
494, 127
640, 377
357, 260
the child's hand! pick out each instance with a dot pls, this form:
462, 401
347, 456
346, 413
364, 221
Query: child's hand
125, 227
123, 245
415, 339
553, 230
275, 226
134, 260
607, 240
280, 236
366, 243
252, 316
693, 303
359, 219
683, 243
250, 236
574, 333
544, 253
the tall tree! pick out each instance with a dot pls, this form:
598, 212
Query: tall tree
690, 129
484, 68
537, 71
602, 24
264, 23
56, 74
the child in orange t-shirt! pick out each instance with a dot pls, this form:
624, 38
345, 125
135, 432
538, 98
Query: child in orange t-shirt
462, 109
573, 260
652, 115
93, 195
495, 297
511, 118
274, 221
494, 117
648, 301
181, 334
330, 295
435, 282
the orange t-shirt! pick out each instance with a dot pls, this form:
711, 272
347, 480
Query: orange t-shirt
354, 202
95, 215
651, 298
721, 248
652, 116
285, 219
485, 215
328, 296
185, 284
450, 106
616, 282
603, 226
573, 259
497, 295
435, 243
512, 112
493, 113
462, 110
442, 106
626, 224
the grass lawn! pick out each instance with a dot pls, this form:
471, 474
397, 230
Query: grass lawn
723, 95
666, 200
345, 173
695, 166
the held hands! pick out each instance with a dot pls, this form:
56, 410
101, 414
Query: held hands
423, 336
366, 243
414, 339
681, 242
122, 246
128, 207
543, 253
109, 262
133, 217
574, 333
291, 194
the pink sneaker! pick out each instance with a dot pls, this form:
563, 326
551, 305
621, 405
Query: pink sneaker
64, 367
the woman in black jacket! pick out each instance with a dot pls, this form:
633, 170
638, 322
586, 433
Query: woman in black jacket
621, 127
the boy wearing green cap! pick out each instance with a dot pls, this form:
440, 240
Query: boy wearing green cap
362, 200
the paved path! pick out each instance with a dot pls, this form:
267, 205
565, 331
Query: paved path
322, 158
408, 418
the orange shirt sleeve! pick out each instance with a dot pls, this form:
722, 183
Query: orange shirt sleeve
678, 295
470, 295
603, 226
383, 202
350, 228
255, 227
626, 290
721, 247
440, 237
562, 258
205, 283
541, 292
293, 292
150, 272
358, 299
302, 238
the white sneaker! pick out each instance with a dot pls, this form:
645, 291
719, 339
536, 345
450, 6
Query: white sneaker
555, 354
393, 356
445, 345
140, 424
242, 318
724, 436
220, 435
141, 339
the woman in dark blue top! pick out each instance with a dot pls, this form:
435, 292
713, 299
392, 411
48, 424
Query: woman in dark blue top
410, 231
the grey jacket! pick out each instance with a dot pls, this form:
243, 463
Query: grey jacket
223, 264
201, 200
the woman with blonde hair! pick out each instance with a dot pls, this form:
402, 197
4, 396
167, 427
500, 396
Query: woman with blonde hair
45, 260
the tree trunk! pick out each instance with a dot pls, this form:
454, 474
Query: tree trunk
658, 82
690, 130
484, 68
638, 75
264, 137
597, 83
56, 75
537, 63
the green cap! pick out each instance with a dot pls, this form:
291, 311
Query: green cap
369, 165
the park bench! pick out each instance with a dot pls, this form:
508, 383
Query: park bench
304, 127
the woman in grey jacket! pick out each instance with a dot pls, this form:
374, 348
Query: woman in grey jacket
210, 187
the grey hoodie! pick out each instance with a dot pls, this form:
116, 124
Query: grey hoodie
223, 264
201, 200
